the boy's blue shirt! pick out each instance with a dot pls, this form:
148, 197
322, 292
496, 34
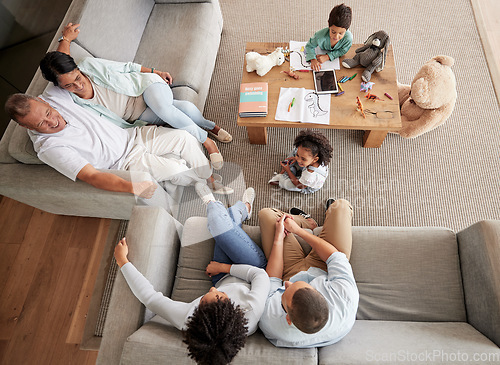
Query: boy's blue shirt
322, 39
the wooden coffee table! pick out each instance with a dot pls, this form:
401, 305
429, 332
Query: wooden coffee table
381, 116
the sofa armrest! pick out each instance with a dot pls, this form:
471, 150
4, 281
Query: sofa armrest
44, 188
153, 240
479, 250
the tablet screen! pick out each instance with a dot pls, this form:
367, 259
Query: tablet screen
325, 82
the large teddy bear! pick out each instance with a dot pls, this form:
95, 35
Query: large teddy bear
430, 99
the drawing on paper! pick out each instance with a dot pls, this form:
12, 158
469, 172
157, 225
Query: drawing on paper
314, 107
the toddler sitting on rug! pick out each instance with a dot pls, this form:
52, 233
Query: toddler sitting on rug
306, 167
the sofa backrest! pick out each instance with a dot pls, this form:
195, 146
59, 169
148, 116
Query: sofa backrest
403, 274
112, 29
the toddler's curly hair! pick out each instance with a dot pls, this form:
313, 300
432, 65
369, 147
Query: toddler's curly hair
317, 143
215, 332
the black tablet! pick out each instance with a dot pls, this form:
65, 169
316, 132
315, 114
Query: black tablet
325, 82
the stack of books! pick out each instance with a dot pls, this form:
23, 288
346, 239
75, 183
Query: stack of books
253, 99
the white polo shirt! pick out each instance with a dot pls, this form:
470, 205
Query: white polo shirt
86, 139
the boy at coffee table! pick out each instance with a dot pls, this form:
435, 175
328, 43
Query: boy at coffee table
335, 40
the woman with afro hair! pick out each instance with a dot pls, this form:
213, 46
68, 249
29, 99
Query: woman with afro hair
215, 325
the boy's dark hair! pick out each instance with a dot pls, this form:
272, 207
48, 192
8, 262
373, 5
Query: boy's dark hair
317, 143
215, 332
309, 310
18, 106
340, 16
56, 63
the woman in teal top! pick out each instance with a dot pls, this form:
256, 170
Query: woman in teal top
128, 94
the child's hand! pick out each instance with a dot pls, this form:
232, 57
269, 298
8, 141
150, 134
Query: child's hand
322, 58
315, 65
121, 252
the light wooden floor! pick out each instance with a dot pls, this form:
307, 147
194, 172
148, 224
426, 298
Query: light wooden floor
47, 262
48, 265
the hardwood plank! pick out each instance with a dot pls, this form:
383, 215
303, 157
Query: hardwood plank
50, 346
3, 348
7, 258
14, 220
21, 275
78, 321
91, 358
42, 290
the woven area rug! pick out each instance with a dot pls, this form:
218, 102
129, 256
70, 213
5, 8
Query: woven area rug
447, 177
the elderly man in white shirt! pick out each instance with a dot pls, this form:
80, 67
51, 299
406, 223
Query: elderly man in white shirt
77, 143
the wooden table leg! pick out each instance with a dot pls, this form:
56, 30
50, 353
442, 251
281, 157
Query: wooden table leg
373, 139
257, 135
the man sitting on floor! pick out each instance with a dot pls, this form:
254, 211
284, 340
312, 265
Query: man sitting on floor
318, 302
77, 143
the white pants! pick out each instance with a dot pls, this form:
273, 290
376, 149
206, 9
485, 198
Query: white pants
168, 155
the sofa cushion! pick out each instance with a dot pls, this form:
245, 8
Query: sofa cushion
407, 274
21, 147
5, 156
118, 39
188, 58
158, 342
384, 342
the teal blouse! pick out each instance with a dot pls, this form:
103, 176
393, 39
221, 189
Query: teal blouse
121, 77
322, 39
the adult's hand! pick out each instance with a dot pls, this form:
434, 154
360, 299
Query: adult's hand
71, 31
214, 268
291, 226
144, 189
165, 76
280, 230
121, 252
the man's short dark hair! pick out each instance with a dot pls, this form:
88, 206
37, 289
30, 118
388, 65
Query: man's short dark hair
18, 106
215, 332
340, 16
309, 310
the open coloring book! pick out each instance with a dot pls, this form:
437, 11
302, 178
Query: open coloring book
303, 105
298, 58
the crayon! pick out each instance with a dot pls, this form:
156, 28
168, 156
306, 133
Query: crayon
353, 76
340, 93
340, 87
390, 97
293, 101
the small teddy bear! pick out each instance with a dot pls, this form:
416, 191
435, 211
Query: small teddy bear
262, 64
371, 55
430, 99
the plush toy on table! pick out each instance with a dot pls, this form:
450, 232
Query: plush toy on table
263, 64
430, 99
371, 55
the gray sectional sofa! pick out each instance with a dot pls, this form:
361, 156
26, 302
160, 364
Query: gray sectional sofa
427, 295
178, 36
